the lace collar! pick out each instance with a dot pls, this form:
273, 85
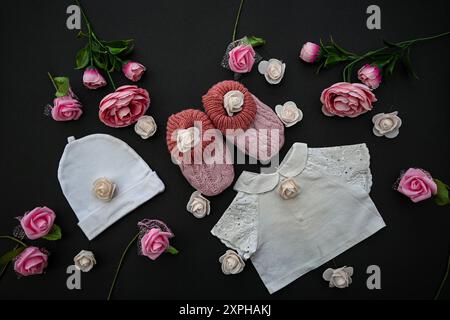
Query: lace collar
292, 165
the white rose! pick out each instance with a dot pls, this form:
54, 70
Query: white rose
386, 124
85, 260
339, 278
273, 70
288, 113
288, 189
145, 127
198, 205
233, 101
231, 262
187, 138
104, 189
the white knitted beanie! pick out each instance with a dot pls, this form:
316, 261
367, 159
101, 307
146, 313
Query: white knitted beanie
103, 179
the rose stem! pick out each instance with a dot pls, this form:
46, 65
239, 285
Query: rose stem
53, 81
119, 266
110, 79
14, 239
2, 272
443, 280
237, 20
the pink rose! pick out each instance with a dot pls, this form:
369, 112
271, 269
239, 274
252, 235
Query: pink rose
370, 75
154, 243
241, 58
92, 79
417, 184
345, 99
310, 52
38, 222
31, 261
124, 106
66, 108
133, 70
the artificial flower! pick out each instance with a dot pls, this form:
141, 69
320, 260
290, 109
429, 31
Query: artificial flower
154, 243
310, 52
145, 127
288, 189
104, 189
85, 260
187, 138
92, 79
339, 278
273, 70
124, 106
133, 70
31, 261
66, 108
417, 184
370, 75
288, 113
38, 222
241, 58
386, 124
233, 101
198, 205
231, 263
345, 99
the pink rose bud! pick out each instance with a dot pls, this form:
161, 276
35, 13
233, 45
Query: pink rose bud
417, 184
124, 106
154, 243
370, 75
133, 70
66, 108
38, 222
30, 261
310, 52
345, 99
241, 58
92, 79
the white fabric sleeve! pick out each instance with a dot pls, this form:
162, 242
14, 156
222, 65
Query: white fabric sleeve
238, 226
351, 163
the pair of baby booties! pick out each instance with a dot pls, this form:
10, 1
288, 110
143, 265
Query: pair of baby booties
208, 166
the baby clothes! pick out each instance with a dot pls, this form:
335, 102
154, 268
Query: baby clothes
314, 207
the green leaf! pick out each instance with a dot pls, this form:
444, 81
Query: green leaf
391, 65
340, 49
62, 85
54, 234
333, 59
121, 47
172, 250
100, 60
9, 256
391, 44
441, 198
256, 41
406, 59
82, 58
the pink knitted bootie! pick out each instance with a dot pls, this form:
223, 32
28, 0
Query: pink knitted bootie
244, 120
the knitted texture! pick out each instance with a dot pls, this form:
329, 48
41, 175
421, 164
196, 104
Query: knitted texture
213, 103
215, 173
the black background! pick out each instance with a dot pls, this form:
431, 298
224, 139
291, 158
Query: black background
182, 43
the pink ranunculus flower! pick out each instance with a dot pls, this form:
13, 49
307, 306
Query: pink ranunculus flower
370, 75
92, 79
241, 58
133, 70
345, 99
66, 108
154, 243
124, 106
417, 184
310, 52
38, 222
31, 261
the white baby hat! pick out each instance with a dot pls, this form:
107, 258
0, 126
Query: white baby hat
102, 156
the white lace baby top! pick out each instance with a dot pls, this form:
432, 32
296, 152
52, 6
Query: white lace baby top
286, 238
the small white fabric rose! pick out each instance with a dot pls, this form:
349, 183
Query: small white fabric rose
187, 138
198, 205
288, 113
273, 70
145, 127
233, 101
288, 189
85, 260
104, 189
386, 124
231, 262
339, 278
